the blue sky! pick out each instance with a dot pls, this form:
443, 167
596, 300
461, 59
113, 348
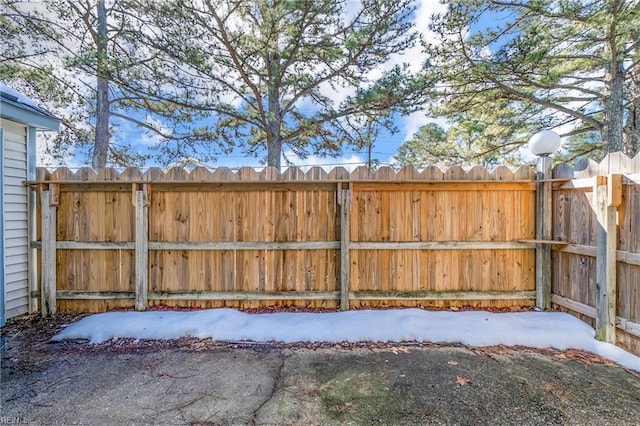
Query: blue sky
385, 147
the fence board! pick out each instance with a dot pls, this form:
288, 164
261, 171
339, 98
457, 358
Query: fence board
141, 249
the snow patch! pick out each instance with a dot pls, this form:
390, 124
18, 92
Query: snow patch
474, 328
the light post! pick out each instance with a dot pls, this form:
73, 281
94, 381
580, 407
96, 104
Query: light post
543, 144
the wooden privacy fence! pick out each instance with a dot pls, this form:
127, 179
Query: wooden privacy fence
431, 238
252, 238
596, 275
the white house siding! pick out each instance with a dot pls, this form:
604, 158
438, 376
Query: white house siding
15, 212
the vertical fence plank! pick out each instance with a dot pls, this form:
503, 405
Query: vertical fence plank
614, 199
543, 232
48, 292
32, 253
344, 197
142, 250
605, 195
600, 206
611, 283
46, 252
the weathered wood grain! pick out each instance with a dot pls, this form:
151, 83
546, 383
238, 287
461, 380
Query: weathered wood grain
248, 231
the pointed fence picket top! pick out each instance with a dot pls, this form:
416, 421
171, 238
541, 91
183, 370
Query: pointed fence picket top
153, 174
316, 173
384, 173
249, 174
408, 173
432, 173
131, 174
199, 174
479, 173
64, 173
224, 174
339, 173
362, 173
617, 163
523, 173
292, 173
455, 173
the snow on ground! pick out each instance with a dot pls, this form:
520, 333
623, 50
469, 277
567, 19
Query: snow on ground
474, 328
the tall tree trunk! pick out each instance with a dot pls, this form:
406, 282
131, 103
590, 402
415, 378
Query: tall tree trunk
101, 144
632, 126
274, 151
632, 129
274, 117
612, 126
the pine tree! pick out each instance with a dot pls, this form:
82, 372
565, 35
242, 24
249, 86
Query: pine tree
308, 75
83, 61
570, 65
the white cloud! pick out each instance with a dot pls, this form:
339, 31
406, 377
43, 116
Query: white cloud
349, 162
44, 141
289, 158
412, 123
43, 158
152, 139
413, 57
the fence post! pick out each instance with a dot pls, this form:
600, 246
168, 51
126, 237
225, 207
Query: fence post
142, 248
344, 199
48, 204
32, 254
607, 195
543, 233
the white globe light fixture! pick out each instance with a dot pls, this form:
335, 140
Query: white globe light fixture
544, 143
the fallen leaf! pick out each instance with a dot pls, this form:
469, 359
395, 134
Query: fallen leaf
341, 408
555, 389
453, 363
548, 386
462, 380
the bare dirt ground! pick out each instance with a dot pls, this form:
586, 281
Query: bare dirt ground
192, 381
